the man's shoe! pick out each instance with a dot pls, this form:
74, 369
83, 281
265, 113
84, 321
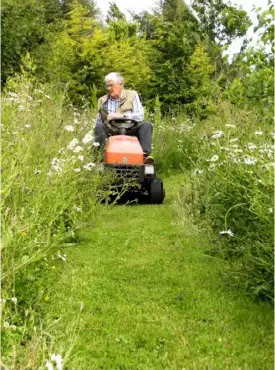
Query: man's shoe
149, 160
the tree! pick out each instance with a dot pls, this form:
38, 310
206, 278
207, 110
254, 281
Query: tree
221, 21
23, 27
114, 14
253, 85
203, 89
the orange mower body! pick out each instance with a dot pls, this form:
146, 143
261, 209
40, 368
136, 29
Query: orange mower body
123, 149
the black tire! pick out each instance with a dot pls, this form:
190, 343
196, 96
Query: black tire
156, 191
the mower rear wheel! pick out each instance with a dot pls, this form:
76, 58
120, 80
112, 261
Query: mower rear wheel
156, 191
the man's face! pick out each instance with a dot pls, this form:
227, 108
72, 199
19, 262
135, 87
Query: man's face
114, 89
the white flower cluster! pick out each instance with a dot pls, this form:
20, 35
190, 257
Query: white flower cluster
57, 165
88, 138
72, 144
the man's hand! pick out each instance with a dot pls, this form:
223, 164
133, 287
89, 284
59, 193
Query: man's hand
114, 116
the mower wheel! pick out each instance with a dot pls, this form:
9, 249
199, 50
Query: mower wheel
156, 191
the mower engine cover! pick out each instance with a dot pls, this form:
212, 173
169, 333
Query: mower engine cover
123, 149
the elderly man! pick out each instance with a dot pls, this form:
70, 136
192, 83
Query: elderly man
121, 103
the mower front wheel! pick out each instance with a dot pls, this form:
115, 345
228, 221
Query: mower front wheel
156, 191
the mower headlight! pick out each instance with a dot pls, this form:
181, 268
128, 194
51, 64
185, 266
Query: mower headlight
149, 170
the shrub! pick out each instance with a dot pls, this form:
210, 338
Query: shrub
229, 159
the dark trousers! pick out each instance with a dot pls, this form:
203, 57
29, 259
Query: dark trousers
144, 135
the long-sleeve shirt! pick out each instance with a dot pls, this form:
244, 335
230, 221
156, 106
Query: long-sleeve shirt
111, 105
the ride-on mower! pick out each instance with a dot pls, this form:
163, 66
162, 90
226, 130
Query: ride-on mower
125, 158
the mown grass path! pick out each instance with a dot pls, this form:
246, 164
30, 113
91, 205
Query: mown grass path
153, 299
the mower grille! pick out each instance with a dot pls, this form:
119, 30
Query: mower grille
125, 171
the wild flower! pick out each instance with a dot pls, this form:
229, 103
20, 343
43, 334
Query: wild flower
96, 144
88, 138
234, 140
61, 151
48, 96
78, 149
251, 146
89, 166
6, 325
258, 133
81, 158
213, 159
64, 257
13, 300
217, 135
77, 169
72, 144
58, 361
238, 150
212, 167
21, 107
226, 232
198, 172
250, 160
49, 365
268, 165
69, 128
230, 126
27, 125
37, 172
13, 94
78, 209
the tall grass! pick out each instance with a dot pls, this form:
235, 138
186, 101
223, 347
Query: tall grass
230, 166
49, 180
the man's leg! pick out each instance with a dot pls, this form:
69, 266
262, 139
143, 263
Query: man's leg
100, 134
145, 137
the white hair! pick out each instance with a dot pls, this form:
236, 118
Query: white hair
114, 76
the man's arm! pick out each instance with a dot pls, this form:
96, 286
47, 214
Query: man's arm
137, 111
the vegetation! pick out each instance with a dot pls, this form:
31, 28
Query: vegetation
212, 122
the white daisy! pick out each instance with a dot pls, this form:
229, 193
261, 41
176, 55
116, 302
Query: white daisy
69, 128
77, 149
88, 138
89, 166
227, 232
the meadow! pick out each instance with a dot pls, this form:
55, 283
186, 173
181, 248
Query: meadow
51, 192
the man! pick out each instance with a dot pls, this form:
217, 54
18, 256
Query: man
121, 103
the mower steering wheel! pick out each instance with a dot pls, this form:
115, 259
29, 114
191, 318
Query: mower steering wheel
124, 119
